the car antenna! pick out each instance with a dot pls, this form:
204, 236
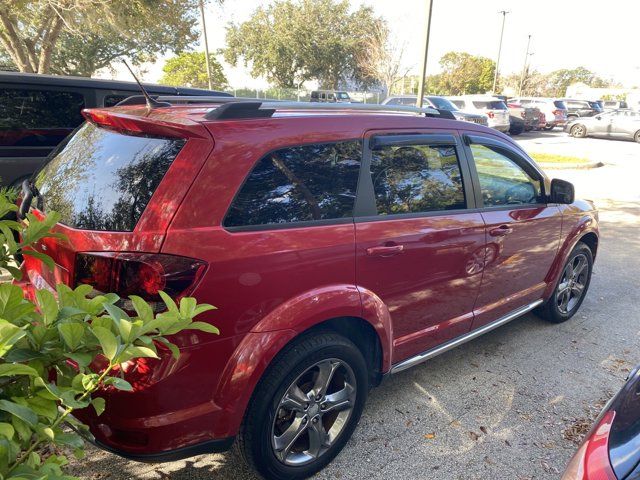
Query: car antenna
151, 103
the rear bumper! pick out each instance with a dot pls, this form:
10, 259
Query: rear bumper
212, 446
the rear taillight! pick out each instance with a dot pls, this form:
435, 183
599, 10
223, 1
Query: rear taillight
491, 114
142, 274
591, 461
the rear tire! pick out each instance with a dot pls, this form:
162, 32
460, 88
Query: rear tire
571, 288
293, 426
636, 137
547, 128
578, 131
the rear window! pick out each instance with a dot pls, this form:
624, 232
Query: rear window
442, 103
490, 104
560, 104
103, 180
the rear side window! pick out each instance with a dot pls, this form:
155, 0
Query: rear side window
299, 184
113, 100
103, 180
414, 179
37, 118
490, 105
560, 104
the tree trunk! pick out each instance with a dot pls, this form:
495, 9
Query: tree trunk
48, 43
11, 42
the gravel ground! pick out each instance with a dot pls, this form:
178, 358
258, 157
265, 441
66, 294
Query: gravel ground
510, 405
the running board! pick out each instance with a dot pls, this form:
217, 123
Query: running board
434, 352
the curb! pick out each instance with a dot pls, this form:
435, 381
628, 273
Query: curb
570, 166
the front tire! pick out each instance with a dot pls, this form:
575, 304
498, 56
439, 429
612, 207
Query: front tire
578, 131
636, 137
571, 288
305, 408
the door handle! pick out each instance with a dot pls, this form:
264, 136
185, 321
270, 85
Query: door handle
385, 250
501, 231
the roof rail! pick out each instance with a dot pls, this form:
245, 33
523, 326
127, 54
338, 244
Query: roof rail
238, 107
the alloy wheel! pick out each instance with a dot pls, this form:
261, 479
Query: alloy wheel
313, 412
572, 284
577, 131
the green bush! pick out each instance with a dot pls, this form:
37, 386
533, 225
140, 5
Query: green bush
50, 350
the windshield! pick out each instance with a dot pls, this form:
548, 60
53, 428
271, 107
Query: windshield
490, 104
103, 180
442, 104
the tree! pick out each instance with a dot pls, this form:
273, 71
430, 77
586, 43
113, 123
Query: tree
291, 41
552, 84
463, 73
190, 70
81, 36
381, 59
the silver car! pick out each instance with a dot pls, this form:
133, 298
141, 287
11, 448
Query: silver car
440, 103
492, 107
613, 124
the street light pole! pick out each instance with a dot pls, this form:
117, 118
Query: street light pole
495, 76
426, 52
524, 66
206, 45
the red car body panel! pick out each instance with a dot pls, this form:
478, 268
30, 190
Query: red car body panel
272, 284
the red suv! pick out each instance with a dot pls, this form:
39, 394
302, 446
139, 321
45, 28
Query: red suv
340, 243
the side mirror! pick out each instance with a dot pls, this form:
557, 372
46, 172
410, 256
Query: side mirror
562, 192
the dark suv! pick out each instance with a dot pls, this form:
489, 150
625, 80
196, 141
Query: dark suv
340, 243
581, 108
38, 111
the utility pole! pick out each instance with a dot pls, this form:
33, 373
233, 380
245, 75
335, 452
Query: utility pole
206, 45
426, 52
495, 76
524, 66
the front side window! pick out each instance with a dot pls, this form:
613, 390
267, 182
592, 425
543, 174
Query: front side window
414, 179
502, 181
299, 184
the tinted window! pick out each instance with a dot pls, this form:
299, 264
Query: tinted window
113, 100
502, 180
297, 184
37, 118
103, 180
560, 104
442, 103
490, 105
412, 179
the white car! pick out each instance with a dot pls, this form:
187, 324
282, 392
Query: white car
555, 111
492, 107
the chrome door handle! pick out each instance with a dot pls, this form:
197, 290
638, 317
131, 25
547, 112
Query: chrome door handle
385, 250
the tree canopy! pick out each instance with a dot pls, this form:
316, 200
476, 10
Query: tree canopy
553, 84
463, 73
78, 37
189, 69
291, 41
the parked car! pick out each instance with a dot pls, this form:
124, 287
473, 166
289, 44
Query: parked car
344, 244
611, 450
555, 111
614, 105
496, 110
523, 119
613, 124
38, 111
581, 108
330, 96
440, 103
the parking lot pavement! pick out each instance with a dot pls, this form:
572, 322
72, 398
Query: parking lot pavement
507, 405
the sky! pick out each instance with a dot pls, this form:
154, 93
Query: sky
600, 35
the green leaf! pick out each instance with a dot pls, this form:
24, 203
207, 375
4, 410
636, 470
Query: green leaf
81, 358
9, 336
204, 327
46, 259
11, 369
108, 341
69, 440
98, 404
48, 433
168, 301
143, 309
138, 352
119, 383
7, 430
22, 428
23, 413
116, 312
44, 407
203, 307
72, 334
48, 306
175, 351
187, 307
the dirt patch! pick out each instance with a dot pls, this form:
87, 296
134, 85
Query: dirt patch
579, 427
